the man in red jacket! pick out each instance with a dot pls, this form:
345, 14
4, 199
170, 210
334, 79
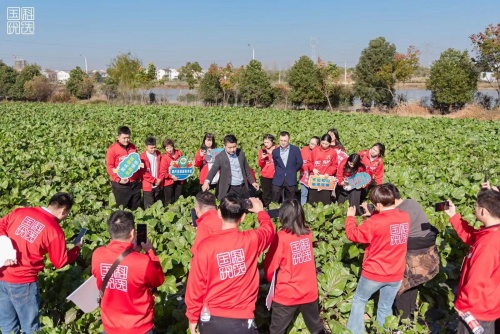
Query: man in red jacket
127, 191
127, 304
479, 285
151, 182
34, 232
208, 220
224, 280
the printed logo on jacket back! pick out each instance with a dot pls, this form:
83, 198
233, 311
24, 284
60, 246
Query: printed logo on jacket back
399, 234
118, 280
301, 251
29, 229
231, 264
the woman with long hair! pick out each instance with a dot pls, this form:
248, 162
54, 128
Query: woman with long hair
373, 160
350, 167
337, 145
266, 165
291, 259
323, 161
200, 161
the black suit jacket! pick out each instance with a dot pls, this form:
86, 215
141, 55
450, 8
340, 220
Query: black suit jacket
221, 163
293, 165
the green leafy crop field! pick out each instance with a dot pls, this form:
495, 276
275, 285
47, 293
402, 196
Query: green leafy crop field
46, 148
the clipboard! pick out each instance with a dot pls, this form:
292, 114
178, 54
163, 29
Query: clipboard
86, 295
270, 294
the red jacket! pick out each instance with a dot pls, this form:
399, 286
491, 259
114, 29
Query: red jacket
202, 164
208, 223
342, 175
266, 163
293, 256
165, 161
116, 153
323, 160
127, 305
341, 155
375, 167
305, 152
147, 179
386, 234
224, 276
34, 232
479, 288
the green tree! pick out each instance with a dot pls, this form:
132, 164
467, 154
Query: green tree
487, 48
328, 76
151, 72
38, 89
79, 84
123, 72
28, 73
210, 89
453, 81
8, 78
230, 83
255, 86
191, 73
370, 86
304, 82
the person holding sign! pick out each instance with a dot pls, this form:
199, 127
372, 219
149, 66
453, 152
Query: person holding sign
234, 171
348, 168
266, 164
323, 161
200, 158
127, 302
305, 152
150, 174
172, 187
127, 190
373, 160
34, 232
291, 259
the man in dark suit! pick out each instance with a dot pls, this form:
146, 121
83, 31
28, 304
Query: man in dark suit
234, 171
287, 162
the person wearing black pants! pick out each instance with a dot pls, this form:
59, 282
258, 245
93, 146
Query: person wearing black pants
151, 197
218, 325
266, 163
284, 315
172, 192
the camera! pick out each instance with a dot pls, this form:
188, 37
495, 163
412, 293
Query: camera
247, 205
370, 207
264, 151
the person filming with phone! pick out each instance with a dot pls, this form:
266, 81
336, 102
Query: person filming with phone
127, 300
478, 296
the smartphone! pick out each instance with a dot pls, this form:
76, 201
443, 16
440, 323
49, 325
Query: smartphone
274, 213
441, 206
371, 208
264, 151
486, 176
142, 234
247, 205
80, 235
194, 218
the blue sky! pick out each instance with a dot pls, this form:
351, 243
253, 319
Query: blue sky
170, 33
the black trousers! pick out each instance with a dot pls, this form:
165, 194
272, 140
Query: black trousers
240, 191
172, 193
266, 185
151, 197
278, 190
353, 196
128, 195
323, 196
282, 316
218, 325
407, 303
490, 327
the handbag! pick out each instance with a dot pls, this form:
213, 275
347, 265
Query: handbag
110, 272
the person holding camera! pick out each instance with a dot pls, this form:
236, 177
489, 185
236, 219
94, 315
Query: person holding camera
291, 257
266, 164
479, 285
127, 302
386, 235
223, 280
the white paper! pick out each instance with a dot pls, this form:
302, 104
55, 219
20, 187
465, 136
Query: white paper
85, 296
270, 294
7, 251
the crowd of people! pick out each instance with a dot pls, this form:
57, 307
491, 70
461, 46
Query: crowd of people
223, 281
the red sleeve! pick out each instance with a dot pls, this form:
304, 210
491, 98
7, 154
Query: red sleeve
110, 164
310, 163
196, 287
362, 233
262, 161
273, 258
340, 172
154, 273
332, 167
146, 176
202, 231
58, 254
464, 230
265, 231
379, 173
164, 165
4, 223
198, 159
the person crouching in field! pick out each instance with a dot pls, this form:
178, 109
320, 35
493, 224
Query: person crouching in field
383, 267
291, 255
479, 285
127, 302
150, 174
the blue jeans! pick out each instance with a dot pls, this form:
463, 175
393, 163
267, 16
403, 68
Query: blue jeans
366, 288
19, 305
303, 194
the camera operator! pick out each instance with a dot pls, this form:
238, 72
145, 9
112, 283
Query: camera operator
223, 281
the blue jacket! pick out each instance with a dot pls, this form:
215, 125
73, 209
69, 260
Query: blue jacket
289, 172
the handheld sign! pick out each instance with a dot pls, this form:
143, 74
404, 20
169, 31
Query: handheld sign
212, 153
358, 180
129, 166
182, 168
321, 182
304, 179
